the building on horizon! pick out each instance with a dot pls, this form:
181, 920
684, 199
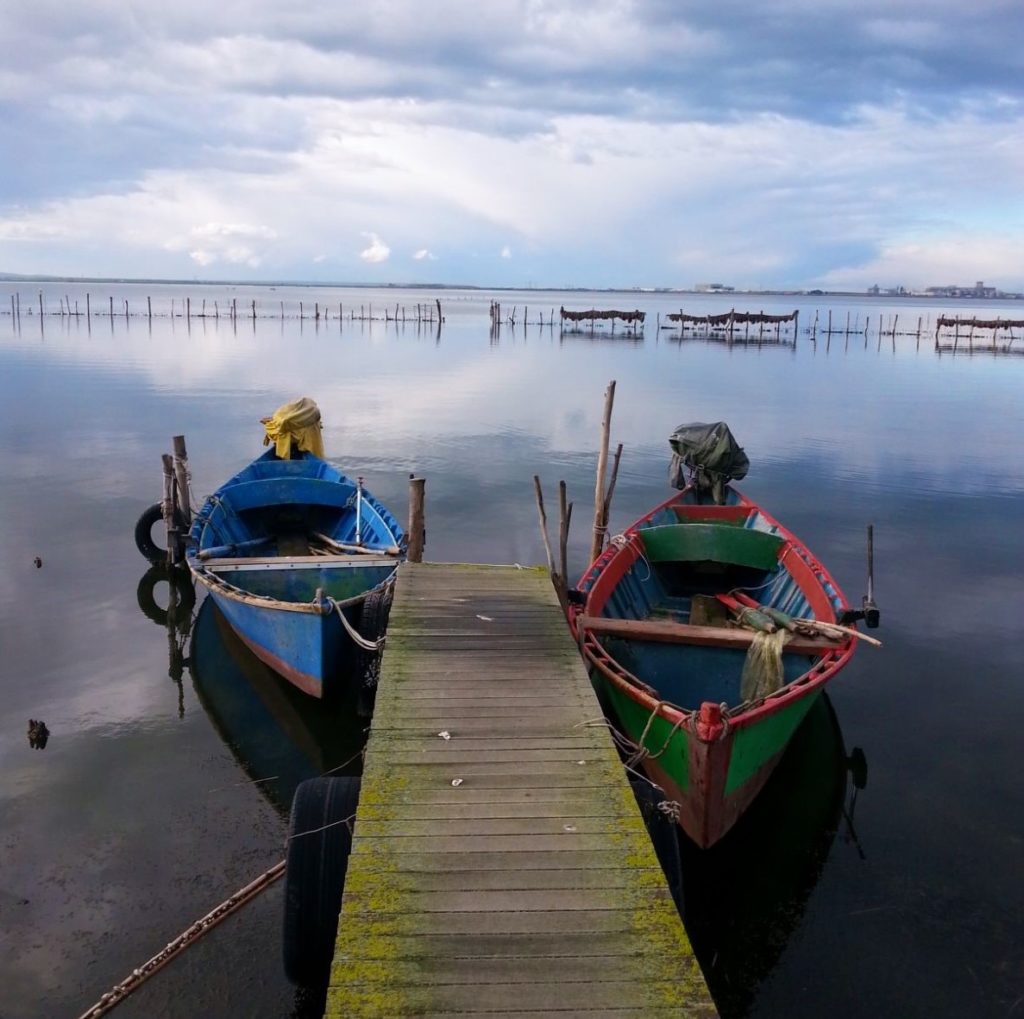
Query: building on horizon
955, 290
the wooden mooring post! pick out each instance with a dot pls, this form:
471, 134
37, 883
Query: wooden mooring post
167, 508
597, 545
417, 520
182, 478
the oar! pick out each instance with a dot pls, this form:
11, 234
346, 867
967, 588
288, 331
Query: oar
338, 546
795, 623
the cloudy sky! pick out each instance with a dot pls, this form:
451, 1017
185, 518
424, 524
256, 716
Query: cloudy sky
516, 142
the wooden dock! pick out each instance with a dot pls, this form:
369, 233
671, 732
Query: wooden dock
500, 866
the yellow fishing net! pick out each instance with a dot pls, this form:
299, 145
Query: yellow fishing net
762, 671
295, 424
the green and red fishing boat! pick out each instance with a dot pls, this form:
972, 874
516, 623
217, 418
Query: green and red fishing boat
710, 630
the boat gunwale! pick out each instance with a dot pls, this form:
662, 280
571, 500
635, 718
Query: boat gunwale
216, 584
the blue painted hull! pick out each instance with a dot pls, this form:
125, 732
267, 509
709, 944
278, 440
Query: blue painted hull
302, 647
284, 548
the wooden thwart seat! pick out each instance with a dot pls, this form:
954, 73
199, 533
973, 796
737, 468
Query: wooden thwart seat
668, 632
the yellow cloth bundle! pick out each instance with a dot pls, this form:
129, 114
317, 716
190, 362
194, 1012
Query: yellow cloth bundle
295, 424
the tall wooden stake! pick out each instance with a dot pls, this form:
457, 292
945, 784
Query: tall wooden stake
167, 508
181, 476
597, 545
564, 519
417, 521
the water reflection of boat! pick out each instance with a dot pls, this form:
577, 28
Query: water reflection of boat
279, 736
744, 898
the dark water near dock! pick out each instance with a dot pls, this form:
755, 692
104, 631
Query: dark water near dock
148, 806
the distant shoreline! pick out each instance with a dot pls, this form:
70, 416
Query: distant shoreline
16, 278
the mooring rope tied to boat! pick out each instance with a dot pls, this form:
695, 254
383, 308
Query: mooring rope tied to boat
358, 639
620, 541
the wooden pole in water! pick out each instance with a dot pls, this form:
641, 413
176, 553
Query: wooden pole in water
149, 308
564, 519
40, 304
181, 476
597, 545
254, 309
167, 509
111, 306
557, 578
438, 299
417, 521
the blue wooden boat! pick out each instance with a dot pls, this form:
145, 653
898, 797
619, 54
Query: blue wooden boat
290, 549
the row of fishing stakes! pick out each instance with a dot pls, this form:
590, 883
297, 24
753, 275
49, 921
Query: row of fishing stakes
425, 313
713, 326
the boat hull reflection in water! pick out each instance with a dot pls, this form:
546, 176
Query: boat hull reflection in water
278, 735
744, 898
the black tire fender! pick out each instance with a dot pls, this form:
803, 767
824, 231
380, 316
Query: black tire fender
179, 580
314, 876
373, 624
144, 542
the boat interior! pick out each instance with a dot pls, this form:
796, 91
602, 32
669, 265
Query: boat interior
688, 554
285, 528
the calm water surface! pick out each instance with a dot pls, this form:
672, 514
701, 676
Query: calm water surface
155, 799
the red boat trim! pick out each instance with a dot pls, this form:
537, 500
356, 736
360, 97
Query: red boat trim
305, 682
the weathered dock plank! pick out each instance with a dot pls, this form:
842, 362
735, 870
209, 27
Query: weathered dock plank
500, 865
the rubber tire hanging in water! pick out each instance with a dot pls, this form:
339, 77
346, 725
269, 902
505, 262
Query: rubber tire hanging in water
314, 876
144, 533
178, 579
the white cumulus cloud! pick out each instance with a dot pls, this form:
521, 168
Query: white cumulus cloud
425, 254
378, 251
